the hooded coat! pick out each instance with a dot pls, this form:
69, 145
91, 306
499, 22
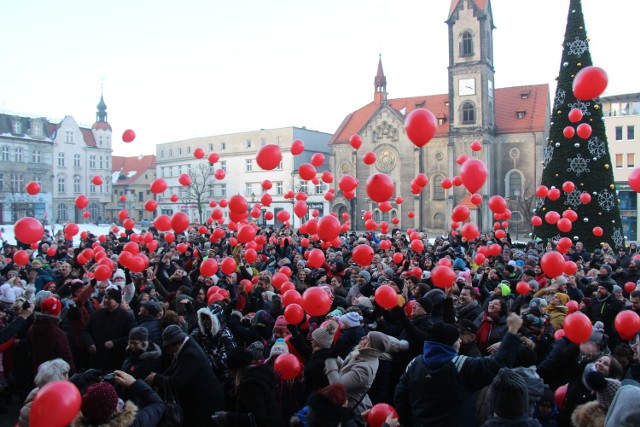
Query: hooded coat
47, 341
139, 365
216, 341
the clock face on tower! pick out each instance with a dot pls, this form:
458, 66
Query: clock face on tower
466, 87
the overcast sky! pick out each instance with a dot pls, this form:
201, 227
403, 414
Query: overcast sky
175, 70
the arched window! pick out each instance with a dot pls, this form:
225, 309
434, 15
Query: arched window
438, 191
466, 44
468, 113
438, 220
513, 183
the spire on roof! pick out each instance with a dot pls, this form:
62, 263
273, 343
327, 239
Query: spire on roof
380, 83
101, 116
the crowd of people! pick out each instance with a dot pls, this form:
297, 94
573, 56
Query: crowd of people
140, 345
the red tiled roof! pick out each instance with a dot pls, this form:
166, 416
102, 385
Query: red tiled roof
454, 3
466, 201
101, 125
508, 102
137, 164
87, 134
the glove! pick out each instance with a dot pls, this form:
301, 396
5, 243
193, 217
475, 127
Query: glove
220, 419
404, 345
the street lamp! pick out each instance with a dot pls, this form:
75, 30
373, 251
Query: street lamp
517, 193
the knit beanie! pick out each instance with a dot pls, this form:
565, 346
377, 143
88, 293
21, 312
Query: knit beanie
280, 325
350, 320
139, 334
262, 318
425, 303
604, 387
114, 293
598, 336
505, 289
509, 395
171, 335
564, 298
7, 295
366, 275
239, 358
458, 264
51, 307
365, 302
99, 403
379, 341
119, 274
444, 333
536, 304
278, 348
324, 335
257, 350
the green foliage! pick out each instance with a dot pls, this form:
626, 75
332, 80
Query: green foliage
585, 162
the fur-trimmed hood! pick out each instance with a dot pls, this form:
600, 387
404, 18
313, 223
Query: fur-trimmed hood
124, 418
46, 318
152, 352
218, 321
589, 414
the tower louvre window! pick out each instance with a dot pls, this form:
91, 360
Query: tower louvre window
466, 44
468, 113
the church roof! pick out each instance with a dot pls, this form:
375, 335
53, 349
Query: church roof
531, 99
130, 168
481, 4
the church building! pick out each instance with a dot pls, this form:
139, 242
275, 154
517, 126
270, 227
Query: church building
512, 125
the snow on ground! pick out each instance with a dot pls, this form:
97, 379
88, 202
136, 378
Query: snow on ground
7, 234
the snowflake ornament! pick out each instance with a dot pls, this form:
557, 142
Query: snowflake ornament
573, 199
597, 148
539, 203
582, 106
618, 238
605, 200
577, 47
548, 154
578, 165
561, 95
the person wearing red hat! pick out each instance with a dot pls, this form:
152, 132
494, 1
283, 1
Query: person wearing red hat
46, 340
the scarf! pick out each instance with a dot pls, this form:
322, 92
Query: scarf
484, 331
461, 310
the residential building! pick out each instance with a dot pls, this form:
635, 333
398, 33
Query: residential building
512, 124
26, 154
237, 158
131, 178
622, 118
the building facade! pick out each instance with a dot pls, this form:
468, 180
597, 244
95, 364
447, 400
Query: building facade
622, 117
131, 178
79, 154
511, 124
237, 158
26, 154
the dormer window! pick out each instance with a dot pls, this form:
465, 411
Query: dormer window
446, 103
520, 114
17, 127
524, 95
442, 119
36, 129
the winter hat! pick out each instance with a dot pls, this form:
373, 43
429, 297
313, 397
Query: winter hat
564, 298
152, 307
598, 336
378, 340
425, 303
280, 325
536, 304
607, 267
7, 295
257, 350
118, 274
624, 410
366, 275
37, 263
365, 302
324, 335
616, 288
239, 358
505, 289
350, 320
139, 334
604, 387
262, 318
445, 333
466, 325
51, 306
458, 264
114, 293
99, 403
388, 272
529, 272
278, 348
560, 280
509, 395
171, 335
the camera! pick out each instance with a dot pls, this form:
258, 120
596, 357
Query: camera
108, 378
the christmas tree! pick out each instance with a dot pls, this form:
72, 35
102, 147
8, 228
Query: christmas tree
585, 162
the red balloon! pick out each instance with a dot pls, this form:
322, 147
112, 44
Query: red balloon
28, 230
56, 404
293, 313
421, 126
287, 366
564, 225
398, 257
306, 171
572, 306
536, 220
443, 276
568, 132
316, 302
246, 233
597, 231
589, 83
570, 268
269, 157
570, 214
584, 130
96, 180
585, 198
461, 159
559, 395
523, 288
297, 147
317, 159
179, 222
552, 217
102, 272
173, 198
209, 267
568, 186
213, 158
476, 146
476, 199
220, 174
634, 180
379, 413
552, 264
228, 265
82, 201
480, 259
316, 258
347, 183
362, 255
21, 257
355, 141
446, 183
386, 297
300, 208
575, 115
542, 191
162, 222
290, 296
629, 287
327, 177
33, 188
369, 158
150, 205
328, 228
627, 323
198, 153
470, 231
128, 135
474, 174
417, 246
460, 213
577, 327
380, 187
184, 180
158, 185
497, 204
